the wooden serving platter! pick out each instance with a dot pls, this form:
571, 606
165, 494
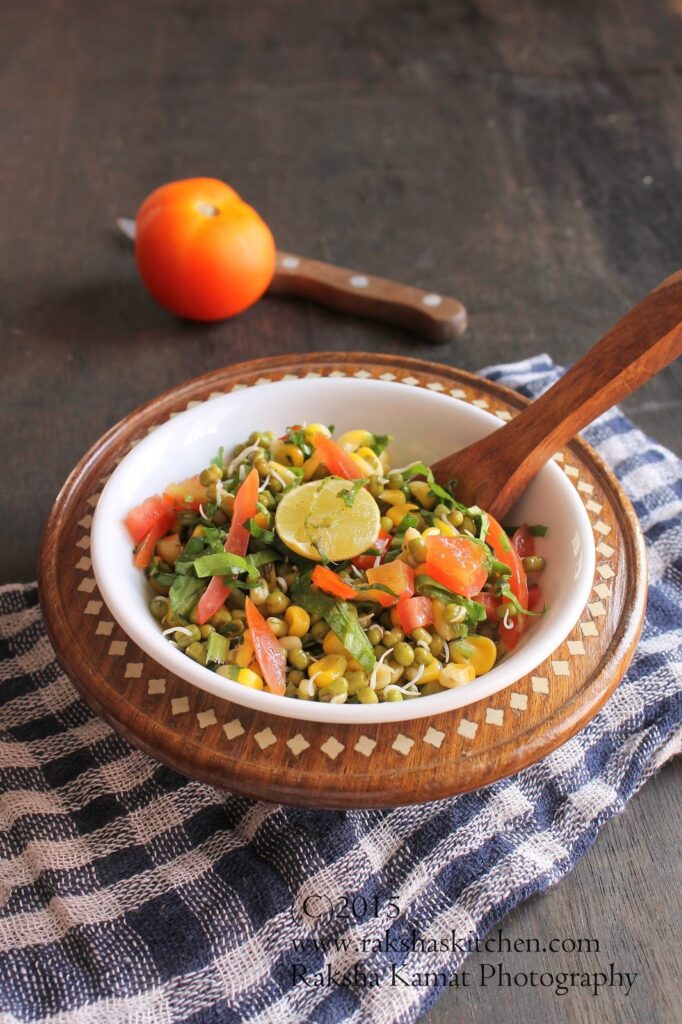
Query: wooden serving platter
335, 766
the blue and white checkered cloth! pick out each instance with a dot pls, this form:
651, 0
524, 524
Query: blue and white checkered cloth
129, 894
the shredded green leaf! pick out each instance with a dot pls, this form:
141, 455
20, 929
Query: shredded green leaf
217, 460
222, 565
266, 536
380, 443
184, 594
340, 616
349, 494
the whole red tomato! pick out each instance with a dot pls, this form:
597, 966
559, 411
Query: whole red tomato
201, 251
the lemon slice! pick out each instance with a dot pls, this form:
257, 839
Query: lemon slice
317, 520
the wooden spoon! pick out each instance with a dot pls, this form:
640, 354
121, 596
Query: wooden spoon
494, 472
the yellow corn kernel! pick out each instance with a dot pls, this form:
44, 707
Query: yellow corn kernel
441, 626
332, 645
315, 428
247, 677
297, 620
351, 440
262, 520
322, 679
431, 673
292, 453
283, 472
311, 466
353, 665
477, 651
362, 464
447, 529
244, 653
392, 497
334, 664
398, 512
372, 459
431, 531
198, 531
423, 493
452, 676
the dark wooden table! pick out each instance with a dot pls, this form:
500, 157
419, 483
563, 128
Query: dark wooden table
524, 157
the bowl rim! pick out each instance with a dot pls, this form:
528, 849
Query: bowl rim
165, 654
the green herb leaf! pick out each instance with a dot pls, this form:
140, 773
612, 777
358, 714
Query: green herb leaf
184, 594
222, 565
298, 438
380, 443
259, 532
349, 494
263, 557
340, 616
217, 460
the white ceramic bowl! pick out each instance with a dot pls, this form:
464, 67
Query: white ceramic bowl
425, 426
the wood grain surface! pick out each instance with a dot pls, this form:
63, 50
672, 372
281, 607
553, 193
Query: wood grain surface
524, 158
316, 764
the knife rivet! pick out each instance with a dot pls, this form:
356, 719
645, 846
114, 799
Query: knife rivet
359, 281
432, 299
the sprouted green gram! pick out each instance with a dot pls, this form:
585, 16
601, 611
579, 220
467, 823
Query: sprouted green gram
347, 633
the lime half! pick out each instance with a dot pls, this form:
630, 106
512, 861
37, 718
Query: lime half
330, 519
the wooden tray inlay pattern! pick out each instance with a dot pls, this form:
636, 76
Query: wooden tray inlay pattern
316, 764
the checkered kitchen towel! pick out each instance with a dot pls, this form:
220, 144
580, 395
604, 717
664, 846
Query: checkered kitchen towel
130, 894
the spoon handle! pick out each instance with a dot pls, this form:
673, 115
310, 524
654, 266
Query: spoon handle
646, 340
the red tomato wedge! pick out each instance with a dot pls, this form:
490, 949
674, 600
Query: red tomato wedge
328, 581
523, 542
534, 597
187, 495
457, 563
414, 612
381, 544
143, 555
505, 552
490, 602
270, 655
236, 543
397, 575
141, 519
337, 461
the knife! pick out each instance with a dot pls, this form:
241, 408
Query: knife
437, 318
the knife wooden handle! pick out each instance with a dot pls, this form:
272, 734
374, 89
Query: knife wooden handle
436, 317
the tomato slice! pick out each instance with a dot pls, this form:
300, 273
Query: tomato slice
381, 544
186, 496
523, 542
490, 602
456, 562
535, 598
337, 461
328, 581
140, 520
397, 575
236, 543
270, 655
143, 555
506, 552
414, 611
